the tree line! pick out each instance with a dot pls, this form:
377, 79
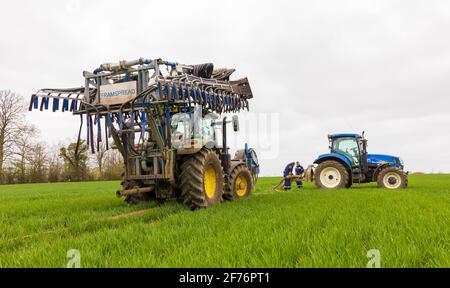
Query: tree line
24, 158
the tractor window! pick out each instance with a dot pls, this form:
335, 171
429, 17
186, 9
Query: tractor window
348, 147
207, 130
180, 127
181, 130
188, 132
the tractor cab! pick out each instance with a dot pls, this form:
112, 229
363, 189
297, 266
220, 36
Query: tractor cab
353, 146
198, 129
349, 162
192, 130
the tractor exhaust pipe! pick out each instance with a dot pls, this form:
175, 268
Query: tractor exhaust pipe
134, 191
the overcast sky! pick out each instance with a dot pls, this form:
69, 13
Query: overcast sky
316, 67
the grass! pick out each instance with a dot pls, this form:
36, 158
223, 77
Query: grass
301, 228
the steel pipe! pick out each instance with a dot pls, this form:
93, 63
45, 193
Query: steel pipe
134, 191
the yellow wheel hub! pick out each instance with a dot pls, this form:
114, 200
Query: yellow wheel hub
210, 182
241, 186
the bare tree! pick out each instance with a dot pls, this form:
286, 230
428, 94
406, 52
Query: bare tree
75, 161
100, 159
113, 165
37, 159
23, 149
11, 116
55, 167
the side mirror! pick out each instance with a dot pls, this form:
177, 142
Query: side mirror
236, 123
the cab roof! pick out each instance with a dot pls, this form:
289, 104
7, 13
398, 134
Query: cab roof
344, 135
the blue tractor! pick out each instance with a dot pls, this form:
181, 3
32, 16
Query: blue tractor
348, 162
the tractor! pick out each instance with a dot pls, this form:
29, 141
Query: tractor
349, 162
163, 117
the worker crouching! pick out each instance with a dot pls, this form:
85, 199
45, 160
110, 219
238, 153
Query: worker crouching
287, 174
291, 170
299, 170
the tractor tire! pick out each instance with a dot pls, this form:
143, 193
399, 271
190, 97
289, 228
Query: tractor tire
331, 175
201, 180
392, 178
254, 178
241, 183
241, 156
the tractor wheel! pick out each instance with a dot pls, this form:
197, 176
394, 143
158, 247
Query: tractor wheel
331, 175
254, 178
201, 180
240, 184
392, 178
241, 156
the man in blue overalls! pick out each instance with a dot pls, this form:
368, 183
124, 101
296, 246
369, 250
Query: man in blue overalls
299, 170
288, 172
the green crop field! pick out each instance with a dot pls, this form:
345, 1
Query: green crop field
302, 228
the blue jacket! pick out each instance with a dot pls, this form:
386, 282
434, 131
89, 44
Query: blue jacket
288, 169
299, 170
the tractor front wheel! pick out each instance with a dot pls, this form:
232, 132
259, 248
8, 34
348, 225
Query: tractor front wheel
392, 178
240, 183
201, 180
331, 175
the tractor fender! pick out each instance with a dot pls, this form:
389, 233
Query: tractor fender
240, 155
188, 151
378, 170
338, 158
334, 156
246, 156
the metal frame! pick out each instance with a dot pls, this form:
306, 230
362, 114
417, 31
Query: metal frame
151, 159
